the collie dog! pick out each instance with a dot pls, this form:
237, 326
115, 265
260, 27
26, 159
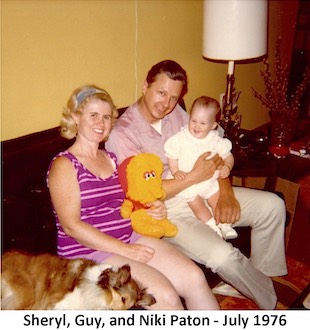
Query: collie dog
50, 282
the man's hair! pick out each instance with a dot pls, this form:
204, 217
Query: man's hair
172, 69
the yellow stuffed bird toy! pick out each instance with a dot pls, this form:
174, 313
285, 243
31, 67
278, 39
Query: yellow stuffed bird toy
140, 178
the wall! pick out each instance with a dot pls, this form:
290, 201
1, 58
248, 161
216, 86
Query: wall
50, 47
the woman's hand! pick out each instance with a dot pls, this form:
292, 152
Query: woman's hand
139, 252
157, 210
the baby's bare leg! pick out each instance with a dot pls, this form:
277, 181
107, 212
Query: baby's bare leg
202, 213
200, 209
212, 201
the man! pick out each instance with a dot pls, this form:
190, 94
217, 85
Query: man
145, 127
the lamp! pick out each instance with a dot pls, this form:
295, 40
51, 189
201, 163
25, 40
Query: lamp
233, 30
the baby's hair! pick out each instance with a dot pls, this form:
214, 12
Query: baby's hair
206, 101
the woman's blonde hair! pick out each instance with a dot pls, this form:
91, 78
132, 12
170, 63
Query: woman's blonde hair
76, 103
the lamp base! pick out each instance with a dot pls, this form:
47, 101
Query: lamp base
232, 126
231, 118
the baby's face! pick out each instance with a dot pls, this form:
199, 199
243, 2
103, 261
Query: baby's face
202, 121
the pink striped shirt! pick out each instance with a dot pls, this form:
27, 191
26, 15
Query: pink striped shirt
101, 200
132, 134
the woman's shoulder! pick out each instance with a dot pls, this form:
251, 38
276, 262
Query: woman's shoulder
62, 160
60, 169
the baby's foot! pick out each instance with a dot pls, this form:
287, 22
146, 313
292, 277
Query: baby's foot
228, 232
212, 224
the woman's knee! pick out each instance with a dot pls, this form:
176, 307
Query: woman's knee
194, 276
167, 297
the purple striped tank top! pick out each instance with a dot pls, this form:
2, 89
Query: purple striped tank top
101, 200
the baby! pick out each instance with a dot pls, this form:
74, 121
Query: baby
186, 146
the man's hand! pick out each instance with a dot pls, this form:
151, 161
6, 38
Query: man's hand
228, 208
205, 168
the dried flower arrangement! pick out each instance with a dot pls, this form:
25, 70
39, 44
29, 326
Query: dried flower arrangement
283, 108
276, 97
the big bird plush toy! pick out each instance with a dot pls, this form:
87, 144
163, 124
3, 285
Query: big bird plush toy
140, 177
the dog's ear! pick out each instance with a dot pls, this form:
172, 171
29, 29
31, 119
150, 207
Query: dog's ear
121, 277
104, 278
124, 274
115, 279
145, 299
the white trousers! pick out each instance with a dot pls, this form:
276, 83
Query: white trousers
265, 213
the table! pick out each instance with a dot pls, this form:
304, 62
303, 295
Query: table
252, 158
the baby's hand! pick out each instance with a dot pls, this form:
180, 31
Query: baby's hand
179, 175
224, 172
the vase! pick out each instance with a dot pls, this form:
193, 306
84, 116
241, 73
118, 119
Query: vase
282, 130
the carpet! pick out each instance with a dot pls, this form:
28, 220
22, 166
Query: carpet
288, 288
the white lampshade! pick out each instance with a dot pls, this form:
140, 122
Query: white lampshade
234, 29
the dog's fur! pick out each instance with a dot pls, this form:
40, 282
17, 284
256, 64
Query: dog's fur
50, 282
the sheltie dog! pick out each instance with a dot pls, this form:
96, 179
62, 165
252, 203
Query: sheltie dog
50, 282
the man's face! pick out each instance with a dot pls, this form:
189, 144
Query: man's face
160, 97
